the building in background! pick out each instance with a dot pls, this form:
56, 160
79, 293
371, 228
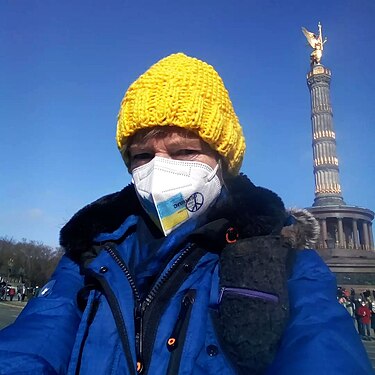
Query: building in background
346, 236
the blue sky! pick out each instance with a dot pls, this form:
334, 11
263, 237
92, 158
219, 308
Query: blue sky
65, 65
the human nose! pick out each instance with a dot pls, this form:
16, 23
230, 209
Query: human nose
163, 154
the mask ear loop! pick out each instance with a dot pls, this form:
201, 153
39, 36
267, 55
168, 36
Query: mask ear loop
213, 174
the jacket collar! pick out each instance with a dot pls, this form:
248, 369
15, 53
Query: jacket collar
251, 210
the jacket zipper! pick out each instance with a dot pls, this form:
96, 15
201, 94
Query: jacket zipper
141, 306
186, 305
178, 335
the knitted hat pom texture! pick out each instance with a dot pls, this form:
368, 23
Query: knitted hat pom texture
186, 92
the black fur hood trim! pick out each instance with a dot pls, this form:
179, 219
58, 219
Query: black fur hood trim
251, 210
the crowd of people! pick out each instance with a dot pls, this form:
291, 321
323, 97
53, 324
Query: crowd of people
9, 292
361, 308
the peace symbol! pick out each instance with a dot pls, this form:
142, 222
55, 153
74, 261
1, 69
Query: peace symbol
194, 202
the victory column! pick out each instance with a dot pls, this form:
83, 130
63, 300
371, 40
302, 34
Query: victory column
346, 241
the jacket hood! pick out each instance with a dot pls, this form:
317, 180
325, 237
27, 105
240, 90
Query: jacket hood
302, 229
250, 209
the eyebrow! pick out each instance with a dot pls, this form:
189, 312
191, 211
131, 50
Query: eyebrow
171, 142
179, 142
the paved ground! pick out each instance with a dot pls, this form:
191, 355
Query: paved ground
370, 348
9, 312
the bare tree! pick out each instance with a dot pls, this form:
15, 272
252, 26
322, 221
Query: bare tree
27, 262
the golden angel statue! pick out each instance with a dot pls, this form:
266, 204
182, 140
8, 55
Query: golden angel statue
316, 42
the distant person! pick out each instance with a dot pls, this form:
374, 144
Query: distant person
346, 293
23, 292
12, 293
364, 314
357, 305
36, 291
350, 308
191, 269
373, 316
366, 294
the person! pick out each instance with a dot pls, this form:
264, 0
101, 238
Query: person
357, 305
191, 269
23, 293
3, 292
346, 293
12, 293
373, 316
349, 305
364, 314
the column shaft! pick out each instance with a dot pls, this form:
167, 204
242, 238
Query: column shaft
371, 236
341, 233
323, 231
365, 235
355, 234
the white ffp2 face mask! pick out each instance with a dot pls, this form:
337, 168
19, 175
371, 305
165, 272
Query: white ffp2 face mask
173, 191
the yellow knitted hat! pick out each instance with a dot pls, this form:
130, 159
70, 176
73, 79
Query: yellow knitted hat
183, 91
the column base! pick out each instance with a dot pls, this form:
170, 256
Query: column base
328, 201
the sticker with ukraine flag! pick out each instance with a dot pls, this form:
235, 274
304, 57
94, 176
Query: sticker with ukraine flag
172, 211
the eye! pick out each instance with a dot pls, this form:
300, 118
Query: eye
142, 156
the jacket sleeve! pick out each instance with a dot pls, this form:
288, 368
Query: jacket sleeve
320, 337
41, 339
